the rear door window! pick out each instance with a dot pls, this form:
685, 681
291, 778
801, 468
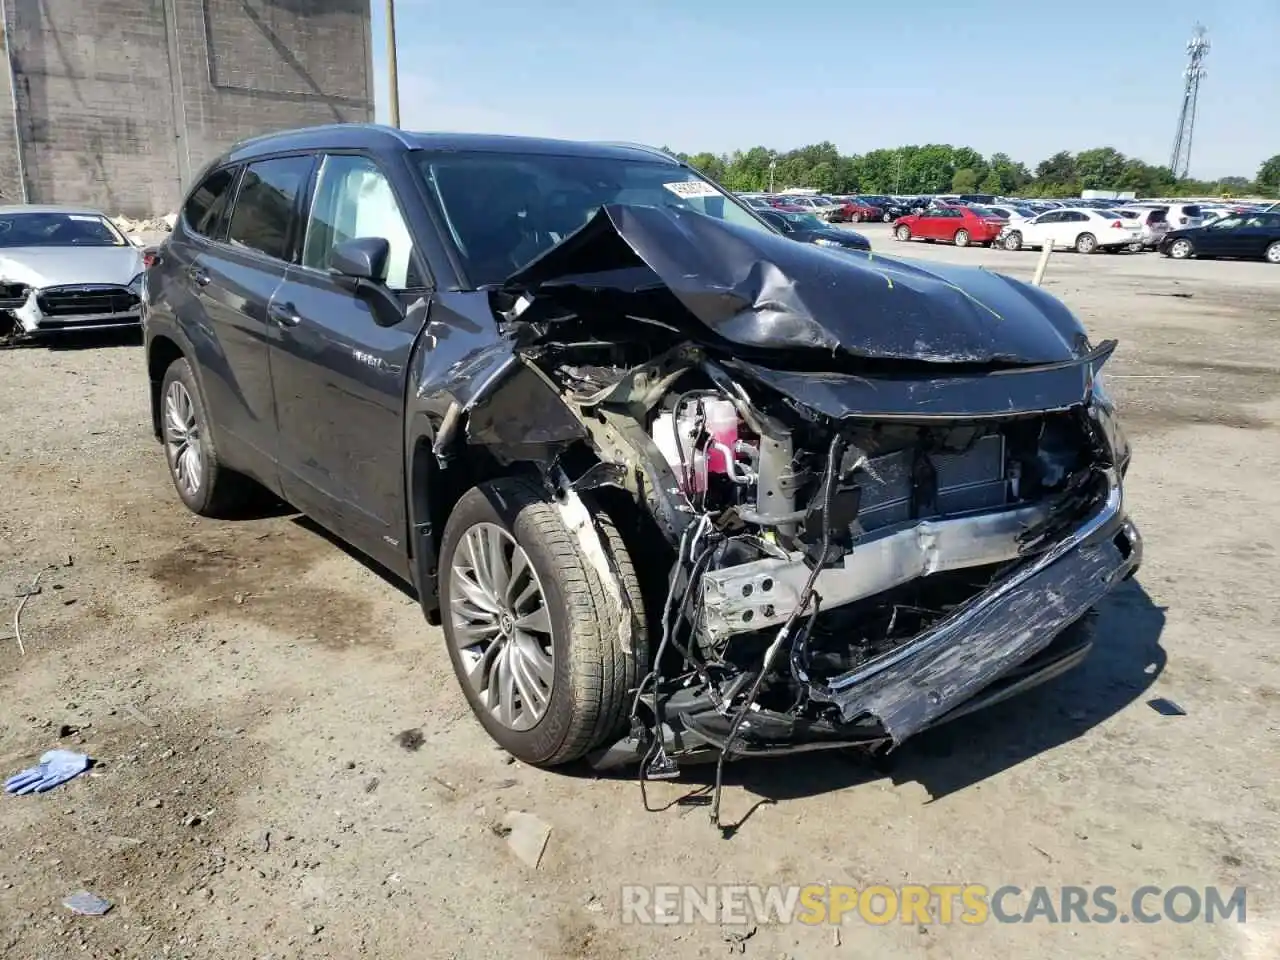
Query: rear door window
208, 202
267, 203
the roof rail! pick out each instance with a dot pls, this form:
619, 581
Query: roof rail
399, 135
646, 148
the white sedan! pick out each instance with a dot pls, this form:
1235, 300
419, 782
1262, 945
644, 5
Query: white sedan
1073, 228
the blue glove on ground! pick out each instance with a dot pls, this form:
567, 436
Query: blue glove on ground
56, 767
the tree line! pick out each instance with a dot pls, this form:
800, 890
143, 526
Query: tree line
942, 168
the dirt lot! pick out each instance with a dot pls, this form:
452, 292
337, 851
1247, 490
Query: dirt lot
243, 687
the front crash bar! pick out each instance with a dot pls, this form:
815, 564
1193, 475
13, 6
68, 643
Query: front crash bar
909, 688
762, 593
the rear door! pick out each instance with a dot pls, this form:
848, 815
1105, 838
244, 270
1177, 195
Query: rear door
236, 279
340, 376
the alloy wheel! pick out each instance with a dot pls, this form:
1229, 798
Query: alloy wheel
502, 626
1273, 252
182, 438
1180, 250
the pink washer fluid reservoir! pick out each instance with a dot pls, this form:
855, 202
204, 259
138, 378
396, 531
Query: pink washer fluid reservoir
722, 426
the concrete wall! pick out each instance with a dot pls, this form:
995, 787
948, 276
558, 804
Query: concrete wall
120, 102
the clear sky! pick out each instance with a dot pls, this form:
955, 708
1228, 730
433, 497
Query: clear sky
1025, 78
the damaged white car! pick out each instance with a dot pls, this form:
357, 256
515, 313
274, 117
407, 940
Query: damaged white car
66, 268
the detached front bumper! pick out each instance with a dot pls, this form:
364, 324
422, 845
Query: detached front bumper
86, 308
1013, 620
1011, 636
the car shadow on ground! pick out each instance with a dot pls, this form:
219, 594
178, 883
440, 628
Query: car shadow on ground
1125, 661
370, 564
71, 340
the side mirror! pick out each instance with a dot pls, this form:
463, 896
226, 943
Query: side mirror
361, 264
362, 258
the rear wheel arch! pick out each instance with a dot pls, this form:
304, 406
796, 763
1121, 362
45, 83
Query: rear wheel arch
162, 351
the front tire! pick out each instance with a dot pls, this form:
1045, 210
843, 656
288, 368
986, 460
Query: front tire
1086, 243
1273, 253
903, 232
961, 238
533, 633
204, 484
1181, 250
856, 218
886, 218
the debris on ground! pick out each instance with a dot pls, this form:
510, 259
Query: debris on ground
27, 594
56, 767
1166, 708
87, 904
738, 940
411, 739
140, 716
527, 836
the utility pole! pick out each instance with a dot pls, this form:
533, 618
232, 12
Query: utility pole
393, 74
897, 175
773, 165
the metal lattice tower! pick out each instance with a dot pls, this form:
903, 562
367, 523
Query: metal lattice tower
1197, 50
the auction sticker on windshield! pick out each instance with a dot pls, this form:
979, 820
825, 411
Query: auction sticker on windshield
692, 189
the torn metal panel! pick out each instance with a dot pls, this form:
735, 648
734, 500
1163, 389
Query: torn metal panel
974, 649
756, 289
522, 418
1056, 579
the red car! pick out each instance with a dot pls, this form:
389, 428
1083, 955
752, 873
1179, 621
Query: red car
853, 210
959, 225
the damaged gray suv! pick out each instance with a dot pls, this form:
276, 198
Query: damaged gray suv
675, 486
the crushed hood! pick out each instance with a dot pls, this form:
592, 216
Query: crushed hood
40, 267
761, 290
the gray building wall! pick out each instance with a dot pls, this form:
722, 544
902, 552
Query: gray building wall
117, 103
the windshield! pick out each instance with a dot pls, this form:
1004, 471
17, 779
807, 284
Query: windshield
504, 210
58, 230
806, 220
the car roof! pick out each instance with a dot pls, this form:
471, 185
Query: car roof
339, 136
50, 208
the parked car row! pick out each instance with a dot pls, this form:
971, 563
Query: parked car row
1178, 229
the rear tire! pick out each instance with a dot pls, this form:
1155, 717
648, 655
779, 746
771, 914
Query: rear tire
1013, 241
886, 218
903, 232
961, 239
204, 484
1272, 254
1181, 250
1086, 243
592, 670
856, 218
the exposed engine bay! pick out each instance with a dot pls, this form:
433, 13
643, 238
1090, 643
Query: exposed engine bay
859, 546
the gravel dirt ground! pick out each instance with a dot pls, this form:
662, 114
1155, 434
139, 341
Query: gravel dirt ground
286, 767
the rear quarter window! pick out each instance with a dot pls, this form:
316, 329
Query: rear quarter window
1191, 210
208, 201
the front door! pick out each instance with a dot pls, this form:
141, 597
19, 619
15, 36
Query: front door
340, 375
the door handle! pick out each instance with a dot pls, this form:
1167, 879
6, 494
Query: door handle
199, 277
285, 314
